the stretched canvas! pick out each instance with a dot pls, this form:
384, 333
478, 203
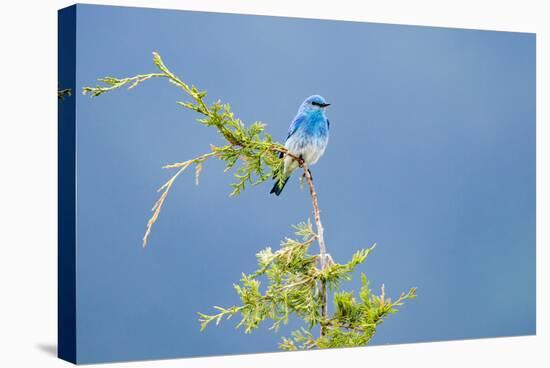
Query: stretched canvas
224, 179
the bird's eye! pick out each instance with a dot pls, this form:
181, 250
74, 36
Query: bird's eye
315, 103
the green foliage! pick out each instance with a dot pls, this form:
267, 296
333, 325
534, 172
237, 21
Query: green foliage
251, 146
293, 286
62, 93
289, 281
256, 151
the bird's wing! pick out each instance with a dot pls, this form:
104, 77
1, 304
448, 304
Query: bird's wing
328, 124
298, 120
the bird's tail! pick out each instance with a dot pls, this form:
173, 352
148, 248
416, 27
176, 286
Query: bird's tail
278, 187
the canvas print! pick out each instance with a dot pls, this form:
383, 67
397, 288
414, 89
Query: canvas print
233, 184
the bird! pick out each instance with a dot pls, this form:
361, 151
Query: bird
307, 137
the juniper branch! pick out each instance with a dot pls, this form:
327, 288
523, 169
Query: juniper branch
250, 145
292, 287
296, 285
62, 93
255, 148
165, 188
320, 239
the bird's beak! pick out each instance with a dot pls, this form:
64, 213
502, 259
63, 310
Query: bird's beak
325, 105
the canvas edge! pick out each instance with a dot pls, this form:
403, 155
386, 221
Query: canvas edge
66, 256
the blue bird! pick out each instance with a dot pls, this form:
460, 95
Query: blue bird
307, 137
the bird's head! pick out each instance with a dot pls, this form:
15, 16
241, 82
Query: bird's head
313, 103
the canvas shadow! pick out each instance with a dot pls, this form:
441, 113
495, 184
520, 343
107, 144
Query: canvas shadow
50, 349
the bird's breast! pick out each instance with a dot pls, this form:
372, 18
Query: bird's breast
309, 147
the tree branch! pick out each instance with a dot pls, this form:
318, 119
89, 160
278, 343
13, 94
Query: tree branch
298, 282
165, 188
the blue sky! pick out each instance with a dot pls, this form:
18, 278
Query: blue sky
431, 156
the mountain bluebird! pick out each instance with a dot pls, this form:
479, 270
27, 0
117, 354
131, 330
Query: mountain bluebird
307, 137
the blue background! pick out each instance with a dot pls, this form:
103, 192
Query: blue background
432, 156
